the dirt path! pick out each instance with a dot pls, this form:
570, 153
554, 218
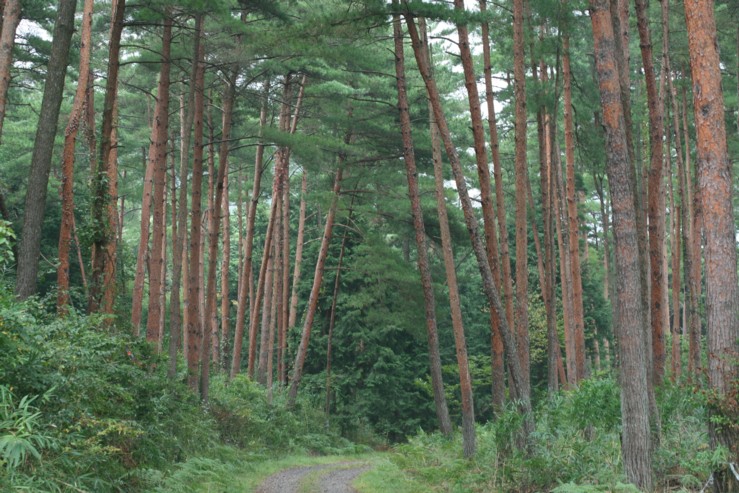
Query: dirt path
326, 478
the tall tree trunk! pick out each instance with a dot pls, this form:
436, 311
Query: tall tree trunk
715, 188
163, 270
246, 273
280, 175
194, 327
298, 252
490, 289
656, 196
43, 146
574, 230
215, 219
264, 343
284, 306
437, 383
497, 356
486, 196
11, 17
677, 209
179, 251
276, 280
545, 262
317, 279
259, 294
70, 139
522, 271
105, 214
158, 158
636, 437
174, 296
565, 261
692, 196
225, 265
335, 296
142, 254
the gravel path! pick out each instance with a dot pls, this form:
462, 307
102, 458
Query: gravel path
337, 478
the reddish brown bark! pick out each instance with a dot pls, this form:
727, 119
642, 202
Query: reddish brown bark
265, 348
215, 219
656, 208
70, 138
317, 279
104, 248
158, 157
497, 353
259, 294
437, 383
279, 178
694, 244
334, 297
636, 437
246, 272
298, 252
715, 188
578, 317
11, 16
522, 271
225, 264
486, 196
565, 261
194, 326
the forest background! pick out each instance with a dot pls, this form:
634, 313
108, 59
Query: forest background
272, 227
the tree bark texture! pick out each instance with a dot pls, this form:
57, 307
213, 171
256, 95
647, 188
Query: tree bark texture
11, 17
158, 158
636, 437
43, 147
104, 213
522, 271
497, 353
70, 139
437, 383
194, 326
715, 188
656, 196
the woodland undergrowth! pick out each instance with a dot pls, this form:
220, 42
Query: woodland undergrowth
86, 407
576, 447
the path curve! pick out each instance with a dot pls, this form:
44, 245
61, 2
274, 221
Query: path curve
337, 478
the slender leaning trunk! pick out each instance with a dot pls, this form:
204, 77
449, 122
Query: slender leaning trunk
437, 383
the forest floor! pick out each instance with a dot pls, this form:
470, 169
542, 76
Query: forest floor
324, 478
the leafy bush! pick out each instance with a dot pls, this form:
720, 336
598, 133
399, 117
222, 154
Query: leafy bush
98, 413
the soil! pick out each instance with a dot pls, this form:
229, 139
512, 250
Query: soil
331, 478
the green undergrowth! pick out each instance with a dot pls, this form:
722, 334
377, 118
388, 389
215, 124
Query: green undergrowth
575, 448
86, 407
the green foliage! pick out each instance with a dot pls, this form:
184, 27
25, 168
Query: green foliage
18, 424
575, 448
7, 237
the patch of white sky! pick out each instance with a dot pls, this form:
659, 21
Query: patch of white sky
443, 35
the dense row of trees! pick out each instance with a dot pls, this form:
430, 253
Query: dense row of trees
622, 252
